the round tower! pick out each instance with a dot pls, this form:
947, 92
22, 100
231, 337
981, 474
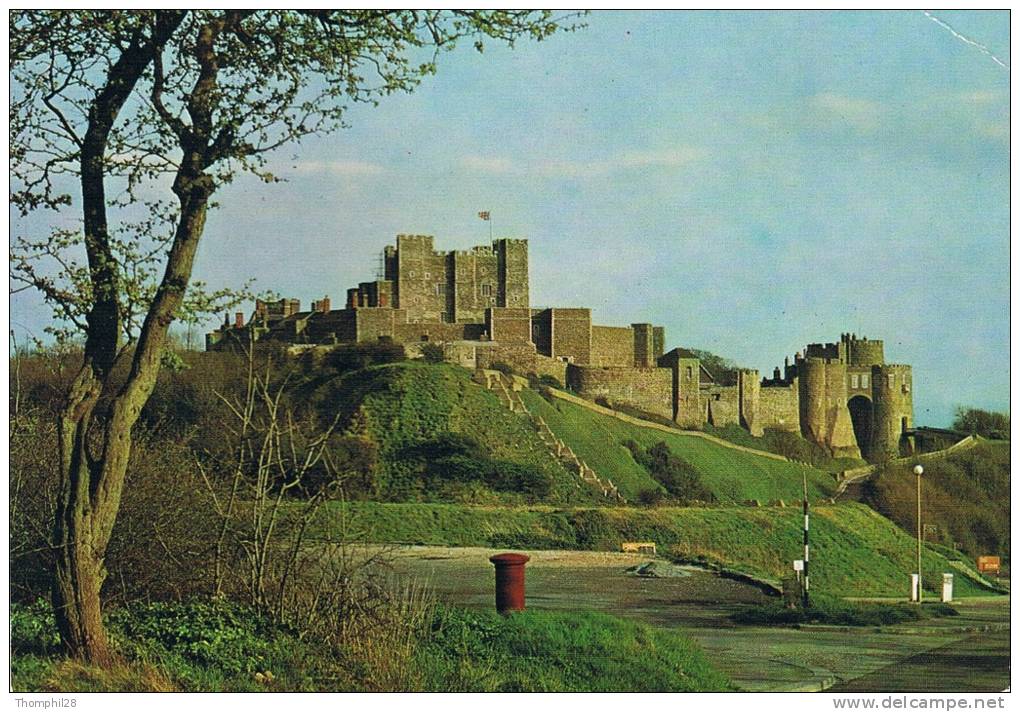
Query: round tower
811, 374
893, 402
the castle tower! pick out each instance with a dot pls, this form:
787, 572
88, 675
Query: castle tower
749, 398
824, 418
512, 268
893, 401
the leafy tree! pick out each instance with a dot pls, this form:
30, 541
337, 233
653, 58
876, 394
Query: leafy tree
987, 424
174, 104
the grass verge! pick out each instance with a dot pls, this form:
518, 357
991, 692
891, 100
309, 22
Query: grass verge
829, 610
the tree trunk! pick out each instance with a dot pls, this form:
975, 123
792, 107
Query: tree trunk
90, 485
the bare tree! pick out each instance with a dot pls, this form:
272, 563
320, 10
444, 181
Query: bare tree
183, 101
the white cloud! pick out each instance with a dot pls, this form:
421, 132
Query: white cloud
336, 168
666, 158
860, 114
488, 164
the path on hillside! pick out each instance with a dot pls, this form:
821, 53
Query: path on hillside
699, 603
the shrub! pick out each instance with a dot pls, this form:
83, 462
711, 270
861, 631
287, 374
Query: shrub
831, 610
432, 353
351, 357
503, 367
677, 476
794, 447
651, 496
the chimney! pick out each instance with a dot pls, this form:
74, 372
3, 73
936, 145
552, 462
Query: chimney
324, 304
239, 320
775, 374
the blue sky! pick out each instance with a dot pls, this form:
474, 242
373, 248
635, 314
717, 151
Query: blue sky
751, 181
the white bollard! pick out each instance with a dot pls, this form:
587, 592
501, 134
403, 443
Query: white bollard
915, 580
947, 588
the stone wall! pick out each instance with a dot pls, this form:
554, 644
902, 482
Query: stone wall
522, 358
649, 389
723, 405
612, 346
508, 324
563, 333
778, 407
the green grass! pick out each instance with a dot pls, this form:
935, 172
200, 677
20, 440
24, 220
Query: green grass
213, 647
541, 651
731, 475
403, 405
855, 551
829, 610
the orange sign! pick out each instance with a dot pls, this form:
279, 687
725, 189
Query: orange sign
988, 564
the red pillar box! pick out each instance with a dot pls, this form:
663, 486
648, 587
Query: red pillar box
509, 582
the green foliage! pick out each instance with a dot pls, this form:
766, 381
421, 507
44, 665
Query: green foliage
677, 476
199, 645
966, 495
987, 424
722, 369
432, 353
540, 651
33, 628
831, 610
442, 437
352, 357
783, 442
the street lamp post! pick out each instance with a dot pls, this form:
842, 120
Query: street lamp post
918, 470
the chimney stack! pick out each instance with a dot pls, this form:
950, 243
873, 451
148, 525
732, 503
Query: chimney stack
239, 320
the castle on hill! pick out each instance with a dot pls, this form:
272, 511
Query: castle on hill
475, 303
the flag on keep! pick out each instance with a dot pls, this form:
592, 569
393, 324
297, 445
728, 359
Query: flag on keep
484, 215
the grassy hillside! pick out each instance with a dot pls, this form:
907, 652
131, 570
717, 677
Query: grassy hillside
855, 551
731, 475
965, 495
406, 408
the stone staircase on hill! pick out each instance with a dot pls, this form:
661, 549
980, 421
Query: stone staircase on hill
507, 389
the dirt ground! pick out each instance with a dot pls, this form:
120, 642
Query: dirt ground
699, 603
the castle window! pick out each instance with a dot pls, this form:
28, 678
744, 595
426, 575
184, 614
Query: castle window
428, 276
690, 373
440, 289
892, 381
855, 380
411, 273
864, 381
486, 290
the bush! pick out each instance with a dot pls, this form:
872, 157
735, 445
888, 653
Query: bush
352, 357
651, 497
677, 476
830, 610
987, 424
793, 447
432, 353
503, 367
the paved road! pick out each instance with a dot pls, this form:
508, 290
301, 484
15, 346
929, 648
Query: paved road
976, 663
922, 655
